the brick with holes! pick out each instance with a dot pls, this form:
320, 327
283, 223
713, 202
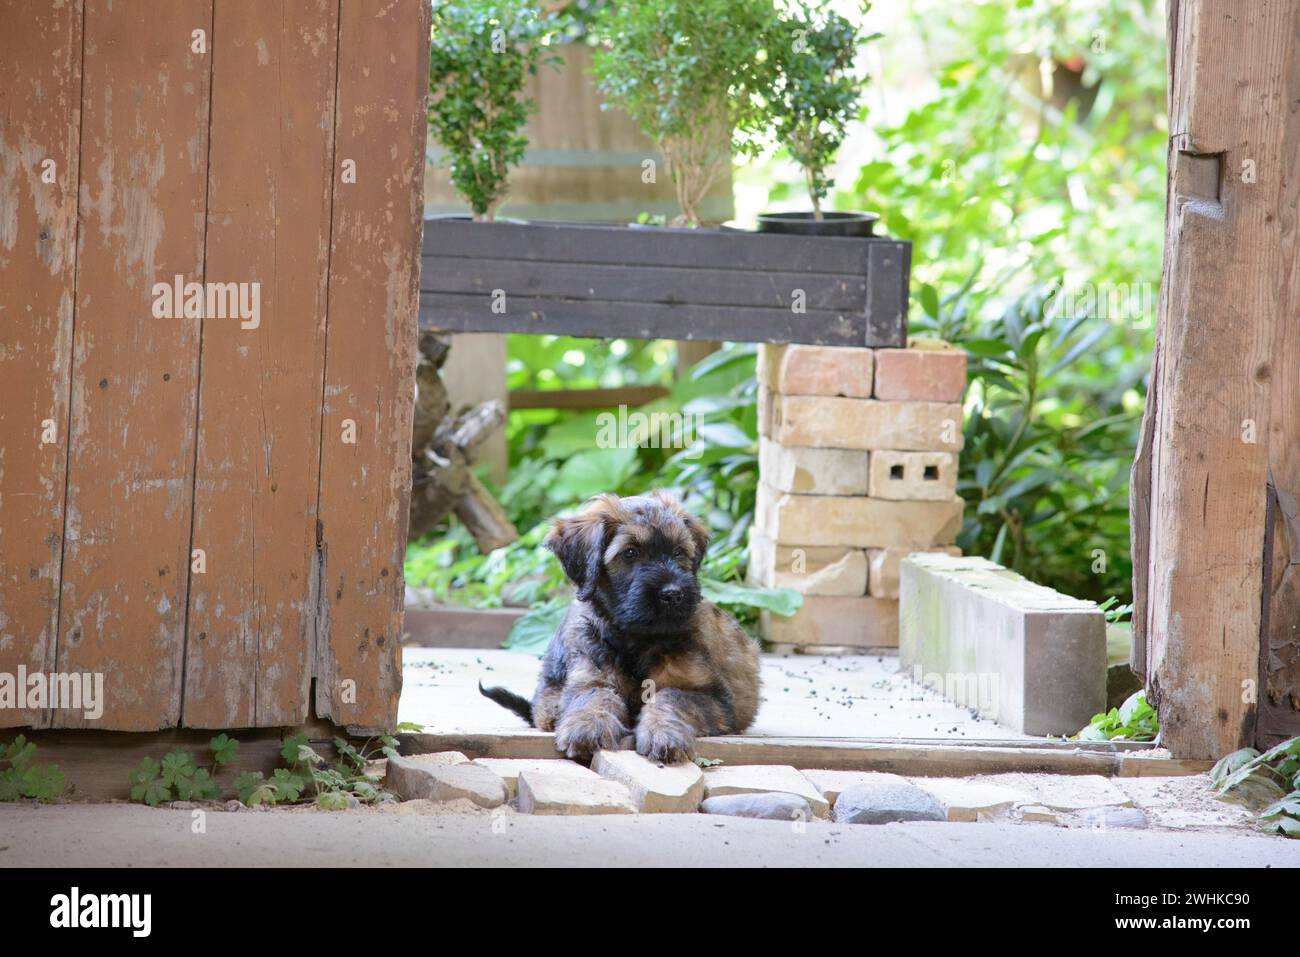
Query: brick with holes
913, 476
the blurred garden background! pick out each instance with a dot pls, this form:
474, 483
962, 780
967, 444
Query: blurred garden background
1020, 145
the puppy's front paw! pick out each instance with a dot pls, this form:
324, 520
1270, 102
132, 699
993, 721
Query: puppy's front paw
581, 735
671, 745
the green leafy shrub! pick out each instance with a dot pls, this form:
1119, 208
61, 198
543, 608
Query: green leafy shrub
178, 777
482, 53
307, 776
22, 777
1134, 720
689, 73
812, 90
1268, 782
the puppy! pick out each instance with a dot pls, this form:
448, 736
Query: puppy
639, 657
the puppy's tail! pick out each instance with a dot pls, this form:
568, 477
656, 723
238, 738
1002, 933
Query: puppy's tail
509, 700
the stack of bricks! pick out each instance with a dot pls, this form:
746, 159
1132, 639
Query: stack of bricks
858, 468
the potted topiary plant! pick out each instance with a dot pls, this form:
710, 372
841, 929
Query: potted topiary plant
689, 73
813, 91
482, 53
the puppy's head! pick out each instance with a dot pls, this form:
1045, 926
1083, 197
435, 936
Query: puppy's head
636, 559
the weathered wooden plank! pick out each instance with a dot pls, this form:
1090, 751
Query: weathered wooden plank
40, 107
248, 659
910, 757
130, 475
1279, 698
370, 358
639, 320
1210, 402
592, 244
633, 282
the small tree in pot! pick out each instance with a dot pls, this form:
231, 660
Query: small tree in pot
482, 53
689, 73
813, 93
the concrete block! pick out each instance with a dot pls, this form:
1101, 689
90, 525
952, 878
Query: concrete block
936, 373
813, 471
655, 788
411, 778
882, 567
830, 422
856, 522
835, 620
811, 571
509, 769
1020, 654
541, 792
816, 370
916, 476
760, 779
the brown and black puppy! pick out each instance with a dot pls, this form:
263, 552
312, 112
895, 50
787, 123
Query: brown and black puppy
639, 655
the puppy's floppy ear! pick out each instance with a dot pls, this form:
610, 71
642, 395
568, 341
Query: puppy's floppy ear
700, 536
579, 543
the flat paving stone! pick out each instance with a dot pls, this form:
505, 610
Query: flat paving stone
884, 799
831, 783
964, 799
770, 806
1071, 792
760, 778
542, 792
509, 769
413, 778
656, 788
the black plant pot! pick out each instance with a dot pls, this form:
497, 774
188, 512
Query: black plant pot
831, 224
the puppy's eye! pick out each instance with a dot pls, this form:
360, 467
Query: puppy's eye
631, 554
679, 552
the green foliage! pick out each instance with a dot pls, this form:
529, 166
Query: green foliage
689, 73
179, 777
1134, 720
812, 90
308, 777
1268, 783
1026, 206
22, 777
483, 51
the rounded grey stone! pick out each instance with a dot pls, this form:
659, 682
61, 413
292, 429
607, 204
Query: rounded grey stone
884, 799
771, 806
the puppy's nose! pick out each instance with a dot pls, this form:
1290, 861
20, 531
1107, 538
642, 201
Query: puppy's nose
672, 594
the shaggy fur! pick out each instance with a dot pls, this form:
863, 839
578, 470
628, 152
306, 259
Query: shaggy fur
640, 659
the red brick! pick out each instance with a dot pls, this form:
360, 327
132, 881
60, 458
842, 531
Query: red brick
921, 374
816, 370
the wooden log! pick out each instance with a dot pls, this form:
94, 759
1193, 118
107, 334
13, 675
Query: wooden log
1221, 408
451, 627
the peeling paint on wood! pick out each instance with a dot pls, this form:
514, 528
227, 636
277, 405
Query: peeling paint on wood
40, 104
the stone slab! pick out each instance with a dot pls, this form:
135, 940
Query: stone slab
509, 769
542, 792
760, 778
964, 799
656, 788
412, 779
1023, 655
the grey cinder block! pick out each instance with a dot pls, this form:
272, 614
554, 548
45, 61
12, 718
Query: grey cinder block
1021, 654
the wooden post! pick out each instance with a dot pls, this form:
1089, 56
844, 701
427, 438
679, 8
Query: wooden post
1225, 384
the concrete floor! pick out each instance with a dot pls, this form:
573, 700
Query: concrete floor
803, 696
108, 835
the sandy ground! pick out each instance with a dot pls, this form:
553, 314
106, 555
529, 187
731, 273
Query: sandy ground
90, 835
803, 695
